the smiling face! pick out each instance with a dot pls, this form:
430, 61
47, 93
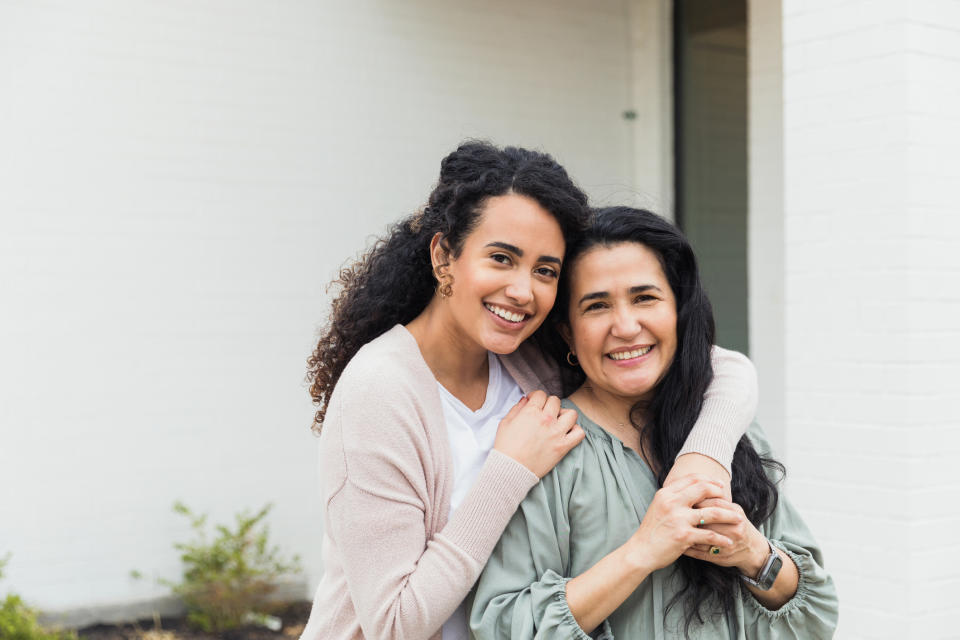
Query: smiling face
623, 319
505, 278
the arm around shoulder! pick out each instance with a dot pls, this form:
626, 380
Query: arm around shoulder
729, 406
380, 465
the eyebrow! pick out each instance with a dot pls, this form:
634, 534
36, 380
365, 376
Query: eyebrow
519, 252
640, 288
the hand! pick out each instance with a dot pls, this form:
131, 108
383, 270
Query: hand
537, 433
671, 524
749, 549
699, 464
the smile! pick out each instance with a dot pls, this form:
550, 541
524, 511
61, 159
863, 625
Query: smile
626, 355
509, 316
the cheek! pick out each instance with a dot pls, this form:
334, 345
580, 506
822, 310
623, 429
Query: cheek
546, 296
585, 338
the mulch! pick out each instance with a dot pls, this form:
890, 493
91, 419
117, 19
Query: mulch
294, 618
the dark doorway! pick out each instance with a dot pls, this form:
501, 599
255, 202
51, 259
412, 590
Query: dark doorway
710, 120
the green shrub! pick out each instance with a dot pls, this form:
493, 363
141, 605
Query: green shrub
230, 576
19, 622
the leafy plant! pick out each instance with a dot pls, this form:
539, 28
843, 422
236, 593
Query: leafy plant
19, 622
230, 577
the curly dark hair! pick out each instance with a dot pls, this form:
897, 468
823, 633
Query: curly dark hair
393, 282
669, 415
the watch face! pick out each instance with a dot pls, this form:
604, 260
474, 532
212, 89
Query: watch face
770, 576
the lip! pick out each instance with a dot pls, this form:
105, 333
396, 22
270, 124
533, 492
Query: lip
506, 324
630, 362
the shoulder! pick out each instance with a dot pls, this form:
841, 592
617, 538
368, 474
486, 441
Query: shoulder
392, 355
595, 444
384, 415
386, 382
532, 369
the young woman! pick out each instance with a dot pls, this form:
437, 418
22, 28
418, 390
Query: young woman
432, 433
598, 546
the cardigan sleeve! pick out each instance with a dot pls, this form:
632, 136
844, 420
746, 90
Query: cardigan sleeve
522, 591
382, 479
729, 406
812, 613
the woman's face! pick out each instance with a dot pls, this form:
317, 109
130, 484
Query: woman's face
505, 278
623, 319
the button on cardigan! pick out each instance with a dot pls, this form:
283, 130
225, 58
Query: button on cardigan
394, 565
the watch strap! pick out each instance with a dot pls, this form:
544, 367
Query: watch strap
768, 574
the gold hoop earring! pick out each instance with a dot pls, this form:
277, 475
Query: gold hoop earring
445, 287
572, 359
444, 282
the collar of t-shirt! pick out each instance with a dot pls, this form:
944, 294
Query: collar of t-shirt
471, 433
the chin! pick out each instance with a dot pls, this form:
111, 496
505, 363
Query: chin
636, 390
503, 345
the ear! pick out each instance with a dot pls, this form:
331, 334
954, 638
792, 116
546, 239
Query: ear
439, 256
564, 330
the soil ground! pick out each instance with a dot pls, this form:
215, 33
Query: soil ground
294, 618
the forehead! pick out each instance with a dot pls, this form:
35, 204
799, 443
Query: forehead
615, 267
520, 221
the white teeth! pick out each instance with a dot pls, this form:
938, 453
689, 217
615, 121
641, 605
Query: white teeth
506, 315
626, 355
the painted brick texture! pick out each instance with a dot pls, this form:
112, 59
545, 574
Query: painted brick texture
178, 183
871, 93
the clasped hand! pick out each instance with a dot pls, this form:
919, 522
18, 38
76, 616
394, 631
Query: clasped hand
689, 517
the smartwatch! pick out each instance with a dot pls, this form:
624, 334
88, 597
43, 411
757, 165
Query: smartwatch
768, 574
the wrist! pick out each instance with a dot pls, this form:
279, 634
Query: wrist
757, 557
638, 563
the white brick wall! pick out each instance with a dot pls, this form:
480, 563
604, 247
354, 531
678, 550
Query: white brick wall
765, 241
178, 182
871, 97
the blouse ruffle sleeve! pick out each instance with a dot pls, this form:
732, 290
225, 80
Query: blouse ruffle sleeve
522, 591
813, 611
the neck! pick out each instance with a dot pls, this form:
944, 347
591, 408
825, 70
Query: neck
613, 412
616, 407
455, 360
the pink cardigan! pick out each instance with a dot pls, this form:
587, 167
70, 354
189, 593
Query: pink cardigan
394, 566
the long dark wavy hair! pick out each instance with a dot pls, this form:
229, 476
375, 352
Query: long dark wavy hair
393, 282
667, 418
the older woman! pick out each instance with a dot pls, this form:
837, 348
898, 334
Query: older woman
435, 420
599, 546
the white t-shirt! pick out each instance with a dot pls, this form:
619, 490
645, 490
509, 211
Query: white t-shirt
471, 435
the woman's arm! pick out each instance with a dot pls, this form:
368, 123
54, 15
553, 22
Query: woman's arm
668, 528
802, 602
748, 553
729, 405
384, 480
522, 589
402, 584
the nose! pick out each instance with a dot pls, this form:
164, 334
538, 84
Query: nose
626, 323
519, 290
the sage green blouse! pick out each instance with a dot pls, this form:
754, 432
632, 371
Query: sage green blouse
589, 505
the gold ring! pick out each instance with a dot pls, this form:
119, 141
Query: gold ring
715, 551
